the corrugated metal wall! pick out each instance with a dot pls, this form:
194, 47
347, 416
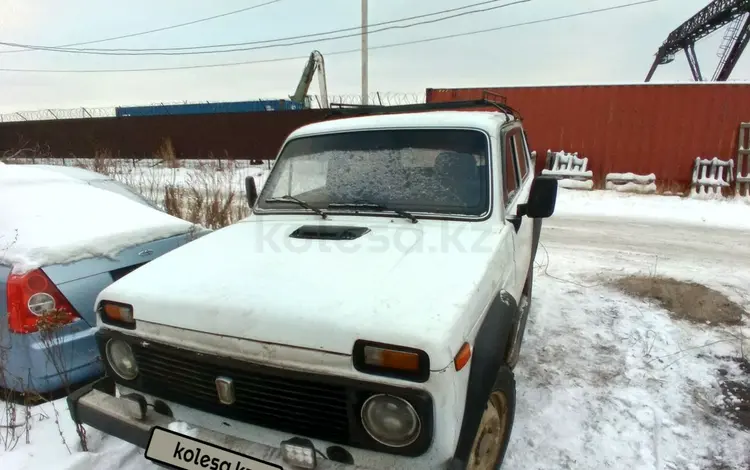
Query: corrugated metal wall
229, 135
643, 129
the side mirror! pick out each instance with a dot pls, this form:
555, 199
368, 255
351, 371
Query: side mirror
251, 191
542, 198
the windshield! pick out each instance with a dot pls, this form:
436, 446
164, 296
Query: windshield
442, 171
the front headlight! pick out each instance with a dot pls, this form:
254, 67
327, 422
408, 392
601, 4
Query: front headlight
390, 420
121, 359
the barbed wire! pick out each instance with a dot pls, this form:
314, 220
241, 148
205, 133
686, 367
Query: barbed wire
52, 114
375, 98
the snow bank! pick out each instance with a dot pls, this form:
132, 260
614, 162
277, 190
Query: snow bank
47, 218
667, 209
630, 183
56, 446
631, 187
576, 184
631, 177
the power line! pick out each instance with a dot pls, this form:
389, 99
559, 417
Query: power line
158, 52
342, 52
150, 31
288, 38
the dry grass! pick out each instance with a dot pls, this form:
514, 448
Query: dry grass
209, 193
18, 397
166, 153
685, 300
205, 201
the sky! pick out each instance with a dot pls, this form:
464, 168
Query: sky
610, 47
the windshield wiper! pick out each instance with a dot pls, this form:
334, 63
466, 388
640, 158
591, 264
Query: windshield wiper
294, 200
372, 206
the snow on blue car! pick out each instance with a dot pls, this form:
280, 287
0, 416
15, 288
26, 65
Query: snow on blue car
65, 234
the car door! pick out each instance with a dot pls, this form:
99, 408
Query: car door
517, 183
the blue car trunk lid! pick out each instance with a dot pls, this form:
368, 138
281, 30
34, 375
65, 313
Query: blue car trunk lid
81, 281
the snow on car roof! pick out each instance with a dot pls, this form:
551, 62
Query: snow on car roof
30, 174
49, 218
484, 120
74, 172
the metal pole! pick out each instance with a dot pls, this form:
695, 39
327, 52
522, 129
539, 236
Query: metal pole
365, 91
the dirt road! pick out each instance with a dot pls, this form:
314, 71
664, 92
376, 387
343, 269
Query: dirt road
688, 242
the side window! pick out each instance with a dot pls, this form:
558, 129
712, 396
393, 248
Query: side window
523, 156
510, 170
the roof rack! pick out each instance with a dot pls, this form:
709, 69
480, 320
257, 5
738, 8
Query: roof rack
341, 109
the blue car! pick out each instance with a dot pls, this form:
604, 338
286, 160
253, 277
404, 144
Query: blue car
66, 234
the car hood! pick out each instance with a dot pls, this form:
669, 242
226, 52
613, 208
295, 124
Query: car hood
400, 283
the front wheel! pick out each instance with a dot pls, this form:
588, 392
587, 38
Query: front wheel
493, 434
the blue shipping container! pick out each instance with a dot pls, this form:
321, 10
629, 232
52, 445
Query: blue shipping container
209, 108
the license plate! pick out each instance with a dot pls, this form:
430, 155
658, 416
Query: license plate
184, 452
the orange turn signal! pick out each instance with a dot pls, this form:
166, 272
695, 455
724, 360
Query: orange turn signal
388, 360
391, 359
463, 356
117, 312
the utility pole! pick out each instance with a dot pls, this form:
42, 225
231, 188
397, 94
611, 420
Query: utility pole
365, 91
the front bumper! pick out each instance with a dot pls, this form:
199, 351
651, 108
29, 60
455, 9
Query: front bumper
92, 406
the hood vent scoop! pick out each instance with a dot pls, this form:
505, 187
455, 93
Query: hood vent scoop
329, 232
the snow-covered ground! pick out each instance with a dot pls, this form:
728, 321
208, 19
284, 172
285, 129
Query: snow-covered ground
608, 381
604, 380
719, 213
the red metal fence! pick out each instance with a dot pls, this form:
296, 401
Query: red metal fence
229, 135
647, 128
643, 129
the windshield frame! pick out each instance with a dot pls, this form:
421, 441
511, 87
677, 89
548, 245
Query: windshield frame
264, 193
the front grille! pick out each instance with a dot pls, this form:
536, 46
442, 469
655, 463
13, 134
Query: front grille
274, 401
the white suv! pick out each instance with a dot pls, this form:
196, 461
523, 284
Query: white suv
368, 314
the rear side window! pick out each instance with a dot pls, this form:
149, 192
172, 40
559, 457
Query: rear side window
510, 170
521, 154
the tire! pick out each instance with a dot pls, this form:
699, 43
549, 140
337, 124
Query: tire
493, 434
514, 350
